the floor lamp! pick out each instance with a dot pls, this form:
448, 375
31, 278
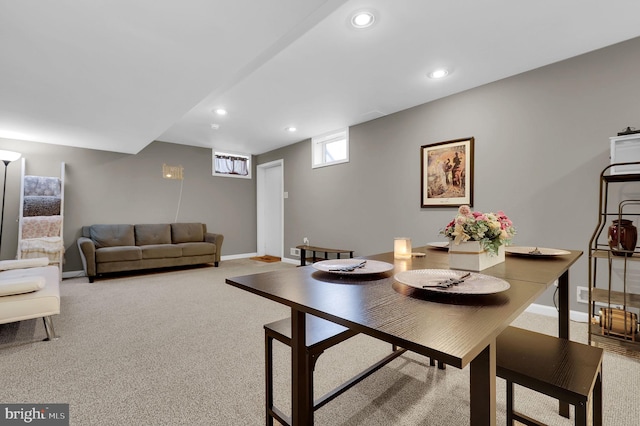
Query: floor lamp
6, 157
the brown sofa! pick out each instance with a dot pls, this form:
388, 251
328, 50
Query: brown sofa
117, 248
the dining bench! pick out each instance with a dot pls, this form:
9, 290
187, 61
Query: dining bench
305, 248
560, 368
320, 336
566, 370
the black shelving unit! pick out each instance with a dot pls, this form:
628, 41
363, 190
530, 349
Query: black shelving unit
610, 288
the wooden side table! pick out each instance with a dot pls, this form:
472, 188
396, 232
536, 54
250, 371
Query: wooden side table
304, 248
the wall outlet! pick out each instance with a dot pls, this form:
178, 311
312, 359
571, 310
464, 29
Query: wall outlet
305, 241
295, 252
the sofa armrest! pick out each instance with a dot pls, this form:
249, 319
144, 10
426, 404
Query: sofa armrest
217, 240
87, 250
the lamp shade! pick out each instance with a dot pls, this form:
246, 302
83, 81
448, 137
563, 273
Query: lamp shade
9, 156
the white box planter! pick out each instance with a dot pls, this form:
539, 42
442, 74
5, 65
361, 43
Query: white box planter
470, 256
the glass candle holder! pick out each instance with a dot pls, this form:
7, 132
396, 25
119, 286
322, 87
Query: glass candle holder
402, 248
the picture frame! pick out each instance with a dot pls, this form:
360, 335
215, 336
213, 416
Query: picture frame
447, 173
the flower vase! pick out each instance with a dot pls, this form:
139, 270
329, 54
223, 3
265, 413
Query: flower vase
622, 237
471, 256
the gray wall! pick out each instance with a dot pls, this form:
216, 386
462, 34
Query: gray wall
106, 187
541, 140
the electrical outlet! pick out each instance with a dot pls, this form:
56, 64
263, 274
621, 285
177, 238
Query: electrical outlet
305, 241
295, 251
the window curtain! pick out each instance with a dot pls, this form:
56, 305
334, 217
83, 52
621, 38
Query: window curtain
232, 165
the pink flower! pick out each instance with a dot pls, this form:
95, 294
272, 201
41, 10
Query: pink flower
464, 210
480, 216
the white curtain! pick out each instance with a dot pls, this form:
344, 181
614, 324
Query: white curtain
232, 165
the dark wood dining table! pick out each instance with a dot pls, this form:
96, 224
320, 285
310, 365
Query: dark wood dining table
459, 330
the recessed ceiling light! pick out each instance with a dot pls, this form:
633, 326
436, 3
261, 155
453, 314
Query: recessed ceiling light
362, 20
221, 111
439, 73
215, 126
290, 129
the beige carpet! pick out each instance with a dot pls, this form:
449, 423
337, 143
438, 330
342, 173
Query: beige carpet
184, 348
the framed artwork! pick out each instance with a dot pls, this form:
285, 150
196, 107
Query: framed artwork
447, 173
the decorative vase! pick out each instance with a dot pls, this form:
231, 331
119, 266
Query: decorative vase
471, 256
622, 237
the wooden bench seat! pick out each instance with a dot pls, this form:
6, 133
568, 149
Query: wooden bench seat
320, 335
566, 370
305, 248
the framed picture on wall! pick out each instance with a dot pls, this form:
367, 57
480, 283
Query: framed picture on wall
447, 173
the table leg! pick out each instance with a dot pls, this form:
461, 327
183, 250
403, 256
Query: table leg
301, 394
483, 387
563, 306
303, 257
563, 324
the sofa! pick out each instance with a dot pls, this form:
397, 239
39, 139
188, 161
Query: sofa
117, 248
29, 289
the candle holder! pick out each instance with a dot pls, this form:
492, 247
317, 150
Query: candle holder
402, 248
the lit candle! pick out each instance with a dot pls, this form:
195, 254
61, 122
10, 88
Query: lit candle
402, 248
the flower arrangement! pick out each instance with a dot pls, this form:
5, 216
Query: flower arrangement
491, 229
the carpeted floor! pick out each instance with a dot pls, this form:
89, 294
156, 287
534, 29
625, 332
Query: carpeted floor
184, 348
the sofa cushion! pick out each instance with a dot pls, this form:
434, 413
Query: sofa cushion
112, 235
118, 254
153, 234
35, 304
197, 249
23, 263
160, 251
186, 232
21, 285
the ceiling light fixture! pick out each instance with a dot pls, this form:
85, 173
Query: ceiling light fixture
215, 126
221, 111
439, 73
290, 129
362, 20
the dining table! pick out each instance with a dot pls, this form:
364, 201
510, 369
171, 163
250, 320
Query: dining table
452, 327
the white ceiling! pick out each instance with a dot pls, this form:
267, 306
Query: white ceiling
116, 75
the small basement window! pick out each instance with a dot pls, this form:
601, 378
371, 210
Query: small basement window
330, 148
231, 165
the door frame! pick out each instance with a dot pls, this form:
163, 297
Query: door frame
260, 205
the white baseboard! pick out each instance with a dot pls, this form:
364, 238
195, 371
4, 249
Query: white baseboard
73, 274
248, 255
238, 256
551, 311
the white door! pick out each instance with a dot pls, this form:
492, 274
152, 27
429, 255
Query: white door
270, 208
